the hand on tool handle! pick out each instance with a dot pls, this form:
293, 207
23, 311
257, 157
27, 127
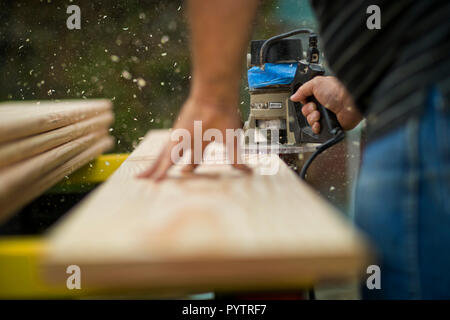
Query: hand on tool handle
332, 95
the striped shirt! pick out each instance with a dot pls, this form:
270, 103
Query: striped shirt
389, 70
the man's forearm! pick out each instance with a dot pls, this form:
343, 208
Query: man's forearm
220, 32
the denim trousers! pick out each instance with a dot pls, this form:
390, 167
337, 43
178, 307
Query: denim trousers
402, 204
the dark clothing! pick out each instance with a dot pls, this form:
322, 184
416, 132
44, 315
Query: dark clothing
388, 71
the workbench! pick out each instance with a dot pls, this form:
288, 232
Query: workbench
20, 257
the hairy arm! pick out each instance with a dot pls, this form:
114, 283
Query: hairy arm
220, 31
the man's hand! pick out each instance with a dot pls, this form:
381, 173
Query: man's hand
212, 116
220, 31
332, 95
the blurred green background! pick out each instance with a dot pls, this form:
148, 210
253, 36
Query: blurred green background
135, 53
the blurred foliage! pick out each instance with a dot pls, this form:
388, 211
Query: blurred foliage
135, 53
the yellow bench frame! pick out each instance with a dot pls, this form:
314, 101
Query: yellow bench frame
19, 255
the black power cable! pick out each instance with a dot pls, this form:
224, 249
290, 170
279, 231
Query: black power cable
324, 146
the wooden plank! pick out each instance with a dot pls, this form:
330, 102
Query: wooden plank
212, 230
17, 150
17, 176
21, 119
33, 190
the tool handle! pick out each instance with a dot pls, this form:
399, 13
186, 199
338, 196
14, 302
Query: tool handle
328, 120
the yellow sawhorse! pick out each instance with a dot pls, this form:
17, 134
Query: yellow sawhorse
19, 255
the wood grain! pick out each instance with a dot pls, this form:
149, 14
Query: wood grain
24, 148
21, 119
35, 188
212, 230
17, 176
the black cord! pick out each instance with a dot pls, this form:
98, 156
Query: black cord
337, 138
311, 294
268, 42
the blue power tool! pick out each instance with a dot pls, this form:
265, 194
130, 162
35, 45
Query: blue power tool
277, 68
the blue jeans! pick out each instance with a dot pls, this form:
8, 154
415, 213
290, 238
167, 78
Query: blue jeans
403, 205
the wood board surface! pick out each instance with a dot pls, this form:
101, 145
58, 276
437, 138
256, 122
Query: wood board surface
17, 176
213, 230
35, 188
24, 148
22, 119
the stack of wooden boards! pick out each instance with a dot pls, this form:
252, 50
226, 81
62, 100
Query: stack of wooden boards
42, 142
217, 229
